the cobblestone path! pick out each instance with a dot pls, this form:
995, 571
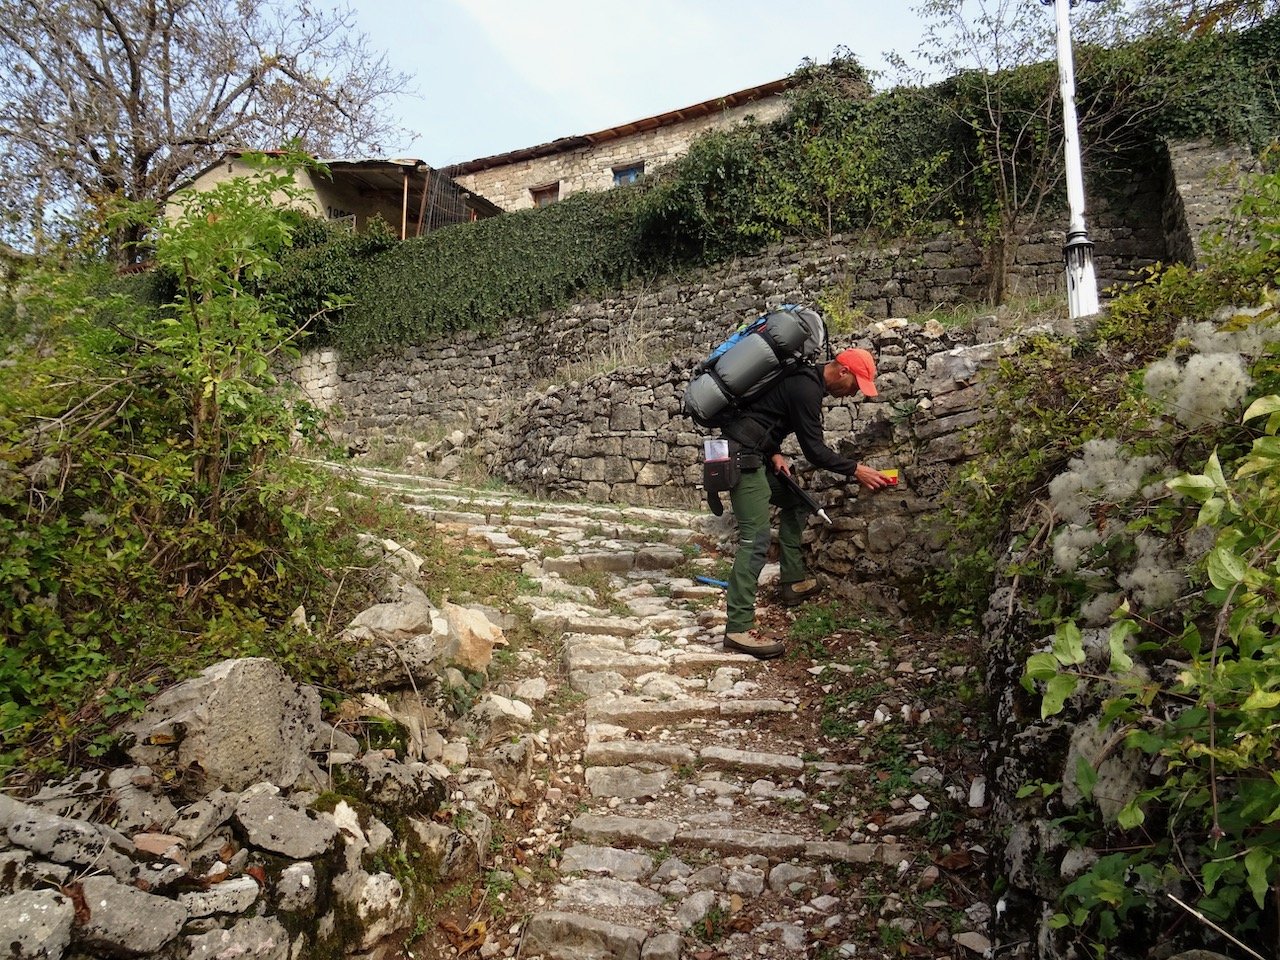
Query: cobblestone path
697, 803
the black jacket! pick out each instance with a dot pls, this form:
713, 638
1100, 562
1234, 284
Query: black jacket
792, 405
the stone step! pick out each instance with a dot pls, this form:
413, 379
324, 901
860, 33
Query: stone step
694, 662
620, 832
836, 851
626, 783
596, 660
586, 858
606, 893
754, 708
606, 830
565, 621
445, 491
746, 761
563, 935
733, 842
638, 713
635, 713
618, 753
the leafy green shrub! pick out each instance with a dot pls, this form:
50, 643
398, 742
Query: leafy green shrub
152, 516
320, 270
473, 276
706, 205
1189, 677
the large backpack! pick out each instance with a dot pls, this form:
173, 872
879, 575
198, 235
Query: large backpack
758, 354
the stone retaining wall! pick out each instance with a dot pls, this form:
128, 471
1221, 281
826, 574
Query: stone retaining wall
583, 402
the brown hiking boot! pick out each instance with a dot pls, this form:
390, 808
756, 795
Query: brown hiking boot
762, 648
790, 594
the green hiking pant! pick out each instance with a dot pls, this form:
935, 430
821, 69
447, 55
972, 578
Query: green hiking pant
751, 498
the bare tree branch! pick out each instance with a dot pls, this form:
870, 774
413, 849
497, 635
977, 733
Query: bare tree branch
129, 97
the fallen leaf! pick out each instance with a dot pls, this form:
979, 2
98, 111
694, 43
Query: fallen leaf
473, 938
957, 860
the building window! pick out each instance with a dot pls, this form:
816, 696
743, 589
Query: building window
628, 174
542, 196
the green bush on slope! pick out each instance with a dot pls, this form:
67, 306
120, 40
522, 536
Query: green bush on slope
152, 516
1141, 512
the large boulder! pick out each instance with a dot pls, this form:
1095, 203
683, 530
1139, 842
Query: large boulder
259, 938
405, 788
240, 722
67, 841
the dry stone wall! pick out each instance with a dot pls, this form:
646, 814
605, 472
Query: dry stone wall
1204, 181
583, 402
424, 389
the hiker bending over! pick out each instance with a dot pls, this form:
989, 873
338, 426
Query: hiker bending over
792, 405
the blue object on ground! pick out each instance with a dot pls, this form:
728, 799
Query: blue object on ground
711, 581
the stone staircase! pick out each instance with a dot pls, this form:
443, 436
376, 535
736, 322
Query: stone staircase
688, 810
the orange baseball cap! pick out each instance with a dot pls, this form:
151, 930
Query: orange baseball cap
862, 366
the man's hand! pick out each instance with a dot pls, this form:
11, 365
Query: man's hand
869, 478
780, 464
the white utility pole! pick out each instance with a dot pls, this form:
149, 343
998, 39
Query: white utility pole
1082, 283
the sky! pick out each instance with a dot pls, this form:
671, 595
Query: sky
498, 75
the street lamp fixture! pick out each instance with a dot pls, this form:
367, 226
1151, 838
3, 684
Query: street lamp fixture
1082, 282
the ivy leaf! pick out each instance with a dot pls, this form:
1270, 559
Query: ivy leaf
1147, 742
1056, 692
1211, 512
1041, 666
1273, 816
1121, 662
1212, 872
1190, 640
1213, 470
1261, 408
1267, 448
1256, 864
1225, 568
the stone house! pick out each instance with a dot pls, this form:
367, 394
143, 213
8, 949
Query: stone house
536, 176
411, 197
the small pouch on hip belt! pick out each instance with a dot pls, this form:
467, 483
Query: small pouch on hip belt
720, 472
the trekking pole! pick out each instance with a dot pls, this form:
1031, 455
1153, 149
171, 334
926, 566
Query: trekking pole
811, 503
